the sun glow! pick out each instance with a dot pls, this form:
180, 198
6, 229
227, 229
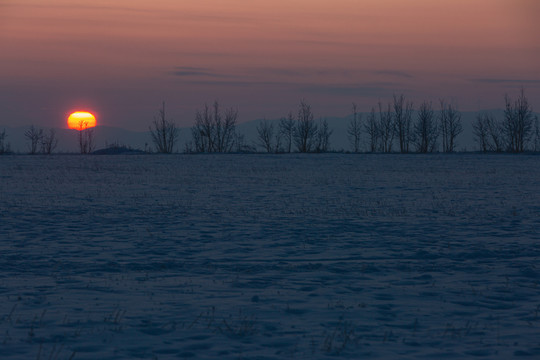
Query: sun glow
81, 120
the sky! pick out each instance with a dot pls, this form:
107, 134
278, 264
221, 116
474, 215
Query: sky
121, 59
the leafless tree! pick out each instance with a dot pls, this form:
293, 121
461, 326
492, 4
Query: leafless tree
323, 136
90, 140
450, 124
214, 131
49, 142
488, 132
425, 128
226, 134
403, 111
4, 146
496, 134
354, 131
277, 142
202, 131
265, 135
536, 144
518, 122
386, 128
481, 131
86, 137
88, 143
372, 129
305, 132
164, 132
286, 130
34, 137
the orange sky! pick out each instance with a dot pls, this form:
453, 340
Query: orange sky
123, 57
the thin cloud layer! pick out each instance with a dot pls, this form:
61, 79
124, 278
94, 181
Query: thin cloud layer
261, 53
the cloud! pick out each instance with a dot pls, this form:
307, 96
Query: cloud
505, 81
394, 73
279, 72
194, 72
302, 80
261, 74
299, 73
239, 83
372, 90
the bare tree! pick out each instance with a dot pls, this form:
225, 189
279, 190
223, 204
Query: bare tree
34, 136
386, 128
305, 132
496, 134
202, 131
214, 131
86, 137
372, 129
403, 111
518, 122
354, 130
481, 131
164, 132
323, 136
4, 146
89, 141
536, 144
227, 136
277, 142
49, 142
450, 124
286, 130
488, 132
265, 135
425, 128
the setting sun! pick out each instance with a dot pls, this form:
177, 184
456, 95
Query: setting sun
81, 120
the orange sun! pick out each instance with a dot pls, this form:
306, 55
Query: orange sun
81, 120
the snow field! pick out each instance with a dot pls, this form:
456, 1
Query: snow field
269, 256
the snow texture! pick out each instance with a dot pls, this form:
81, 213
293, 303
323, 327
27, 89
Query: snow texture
269, 256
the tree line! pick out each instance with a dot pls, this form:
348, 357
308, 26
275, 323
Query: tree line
39, 141
518, 128
395, 126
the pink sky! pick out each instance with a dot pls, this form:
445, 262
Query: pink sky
121, 58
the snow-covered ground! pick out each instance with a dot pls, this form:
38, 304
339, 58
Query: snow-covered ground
269, 257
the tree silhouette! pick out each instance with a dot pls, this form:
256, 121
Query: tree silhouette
354, 130
403, 122
536, 142
86, 137
450, 124
481, 131
4, 146
323, 136
286, 130
164, 132
386, 128
518, 122
305, 131
372, 129
214, 131
265, 135
34, 136
49, 142
425, 128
